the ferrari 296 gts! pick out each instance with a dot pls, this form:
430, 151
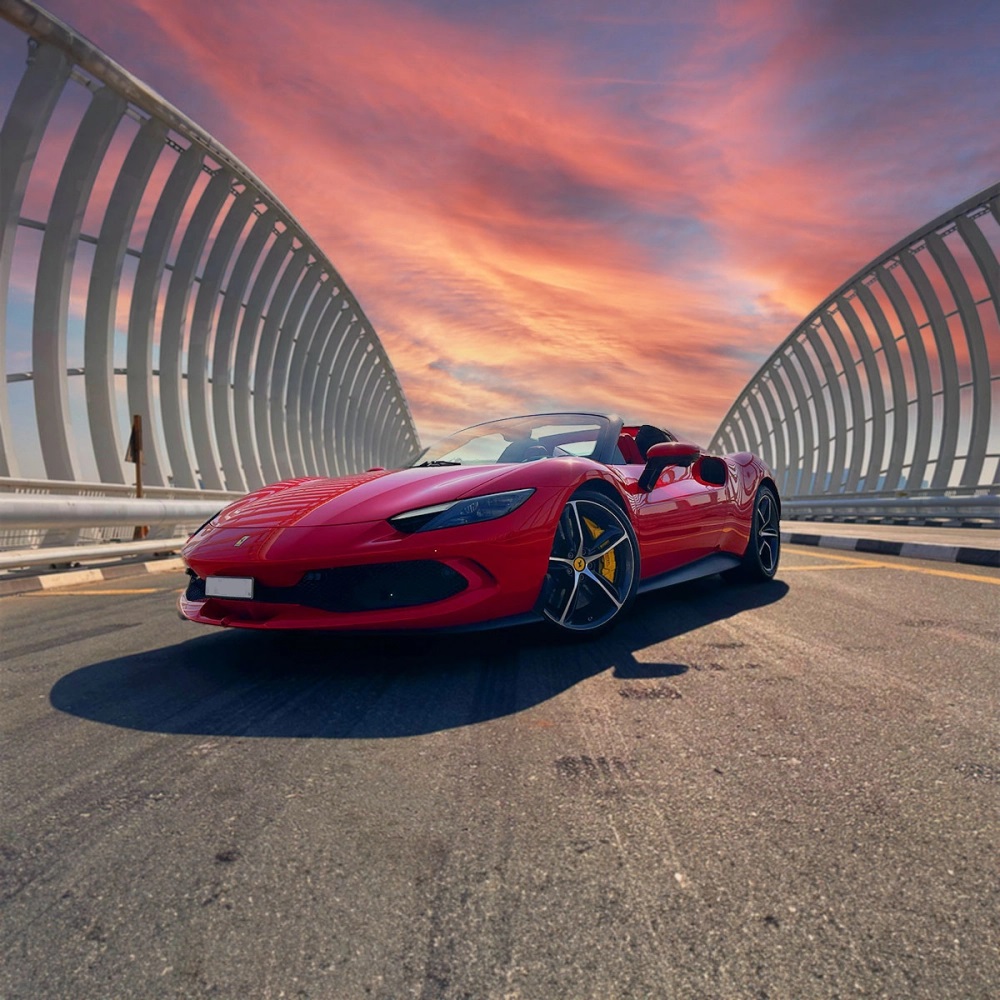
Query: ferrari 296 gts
557, 517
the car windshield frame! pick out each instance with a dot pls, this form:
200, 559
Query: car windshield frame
513, 430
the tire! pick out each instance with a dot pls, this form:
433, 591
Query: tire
593, 570
760, 561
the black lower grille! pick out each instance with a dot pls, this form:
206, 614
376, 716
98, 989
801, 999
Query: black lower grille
195, 588
360, 588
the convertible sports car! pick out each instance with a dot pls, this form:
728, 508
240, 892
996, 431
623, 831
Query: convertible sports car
561, 517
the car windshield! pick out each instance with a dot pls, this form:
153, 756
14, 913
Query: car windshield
520, 439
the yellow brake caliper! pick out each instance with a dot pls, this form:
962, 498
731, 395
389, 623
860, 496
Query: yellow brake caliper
608, 563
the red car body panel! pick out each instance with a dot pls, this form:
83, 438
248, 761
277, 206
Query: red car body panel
278, 534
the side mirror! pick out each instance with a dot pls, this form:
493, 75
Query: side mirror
663, 454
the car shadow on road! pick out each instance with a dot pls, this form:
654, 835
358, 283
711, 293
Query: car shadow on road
241, 683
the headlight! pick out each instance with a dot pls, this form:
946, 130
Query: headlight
211, 520
459, 512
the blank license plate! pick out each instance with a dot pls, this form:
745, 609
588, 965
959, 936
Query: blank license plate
229, 586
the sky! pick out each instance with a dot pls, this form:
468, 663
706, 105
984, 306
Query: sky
623, 206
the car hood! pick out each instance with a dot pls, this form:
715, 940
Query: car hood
371, 496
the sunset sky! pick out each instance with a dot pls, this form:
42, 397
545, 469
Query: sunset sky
551, 204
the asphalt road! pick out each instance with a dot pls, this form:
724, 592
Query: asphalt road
784, 791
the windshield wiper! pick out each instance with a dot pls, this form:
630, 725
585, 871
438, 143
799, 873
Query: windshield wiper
437, 461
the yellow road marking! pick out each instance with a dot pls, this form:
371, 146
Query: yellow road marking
951, 574
836, 556
847, 562
817, 569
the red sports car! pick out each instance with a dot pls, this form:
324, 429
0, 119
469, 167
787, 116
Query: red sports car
561, 517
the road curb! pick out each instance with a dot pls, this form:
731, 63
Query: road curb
70, 578
969, 555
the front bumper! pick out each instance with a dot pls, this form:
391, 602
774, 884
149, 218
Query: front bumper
499, 567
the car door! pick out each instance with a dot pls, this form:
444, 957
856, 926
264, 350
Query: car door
683, 518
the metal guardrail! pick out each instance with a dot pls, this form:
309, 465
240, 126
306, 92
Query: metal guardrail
46, 521
99, 512
983, 508
33, 525
74, 554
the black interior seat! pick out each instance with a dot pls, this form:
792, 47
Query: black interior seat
648, 435
523, 450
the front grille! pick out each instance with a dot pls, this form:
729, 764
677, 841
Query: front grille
360, 588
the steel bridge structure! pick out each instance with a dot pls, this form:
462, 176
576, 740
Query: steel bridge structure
886, 398
145, 270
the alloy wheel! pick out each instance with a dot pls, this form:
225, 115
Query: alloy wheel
768, 532
593, 569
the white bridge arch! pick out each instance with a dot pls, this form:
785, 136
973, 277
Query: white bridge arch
892, 385
187, 290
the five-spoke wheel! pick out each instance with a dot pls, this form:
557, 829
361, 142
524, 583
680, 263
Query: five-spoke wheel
760, 561
594, 567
